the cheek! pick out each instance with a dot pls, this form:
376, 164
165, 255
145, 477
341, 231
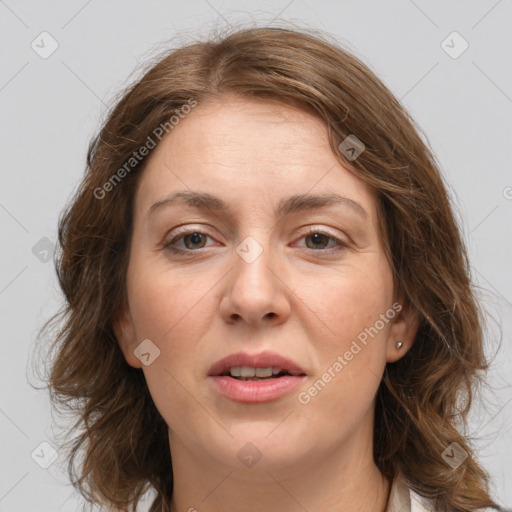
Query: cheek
166, 304
172, 312
356, 313
173, 309
349, 303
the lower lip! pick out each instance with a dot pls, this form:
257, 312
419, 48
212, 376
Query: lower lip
254, 391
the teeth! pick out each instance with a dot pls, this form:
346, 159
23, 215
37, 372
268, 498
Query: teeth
247, 371
235, 372
264, 372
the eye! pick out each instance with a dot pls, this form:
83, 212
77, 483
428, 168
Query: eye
193, 239
318, 238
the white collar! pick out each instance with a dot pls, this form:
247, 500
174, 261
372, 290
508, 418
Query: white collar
404, 499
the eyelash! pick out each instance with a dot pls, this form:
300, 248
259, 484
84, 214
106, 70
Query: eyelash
172, 248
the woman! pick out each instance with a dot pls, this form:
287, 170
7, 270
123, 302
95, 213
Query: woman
268, 298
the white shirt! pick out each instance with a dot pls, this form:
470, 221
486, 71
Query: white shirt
403, 499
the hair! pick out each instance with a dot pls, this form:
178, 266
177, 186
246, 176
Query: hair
423, 399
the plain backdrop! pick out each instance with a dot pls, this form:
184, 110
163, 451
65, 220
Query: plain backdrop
63, 62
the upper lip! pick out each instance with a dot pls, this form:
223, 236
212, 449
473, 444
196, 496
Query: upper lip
260, 360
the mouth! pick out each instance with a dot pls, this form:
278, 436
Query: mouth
262, 377
261, 366
248, 373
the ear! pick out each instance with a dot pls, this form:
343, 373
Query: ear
404, 327
126, 337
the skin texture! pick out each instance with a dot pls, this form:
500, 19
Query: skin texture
199, 308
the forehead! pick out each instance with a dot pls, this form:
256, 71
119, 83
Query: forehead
241, 128
251, 152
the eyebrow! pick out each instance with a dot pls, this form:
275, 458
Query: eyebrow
287, 205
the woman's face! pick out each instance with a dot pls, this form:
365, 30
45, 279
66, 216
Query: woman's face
305, 281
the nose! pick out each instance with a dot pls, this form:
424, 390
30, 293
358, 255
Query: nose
256, 293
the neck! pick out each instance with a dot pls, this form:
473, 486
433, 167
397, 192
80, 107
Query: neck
344, 479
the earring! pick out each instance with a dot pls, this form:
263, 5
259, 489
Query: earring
399, 344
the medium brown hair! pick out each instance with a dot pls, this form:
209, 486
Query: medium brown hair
423, 398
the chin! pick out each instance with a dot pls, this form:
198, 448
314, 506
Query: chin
260, 447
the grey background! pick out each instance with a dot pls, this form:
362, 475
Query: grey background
51, 107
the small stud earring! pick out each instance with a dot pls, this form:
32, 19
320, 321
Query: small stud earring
399, 344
